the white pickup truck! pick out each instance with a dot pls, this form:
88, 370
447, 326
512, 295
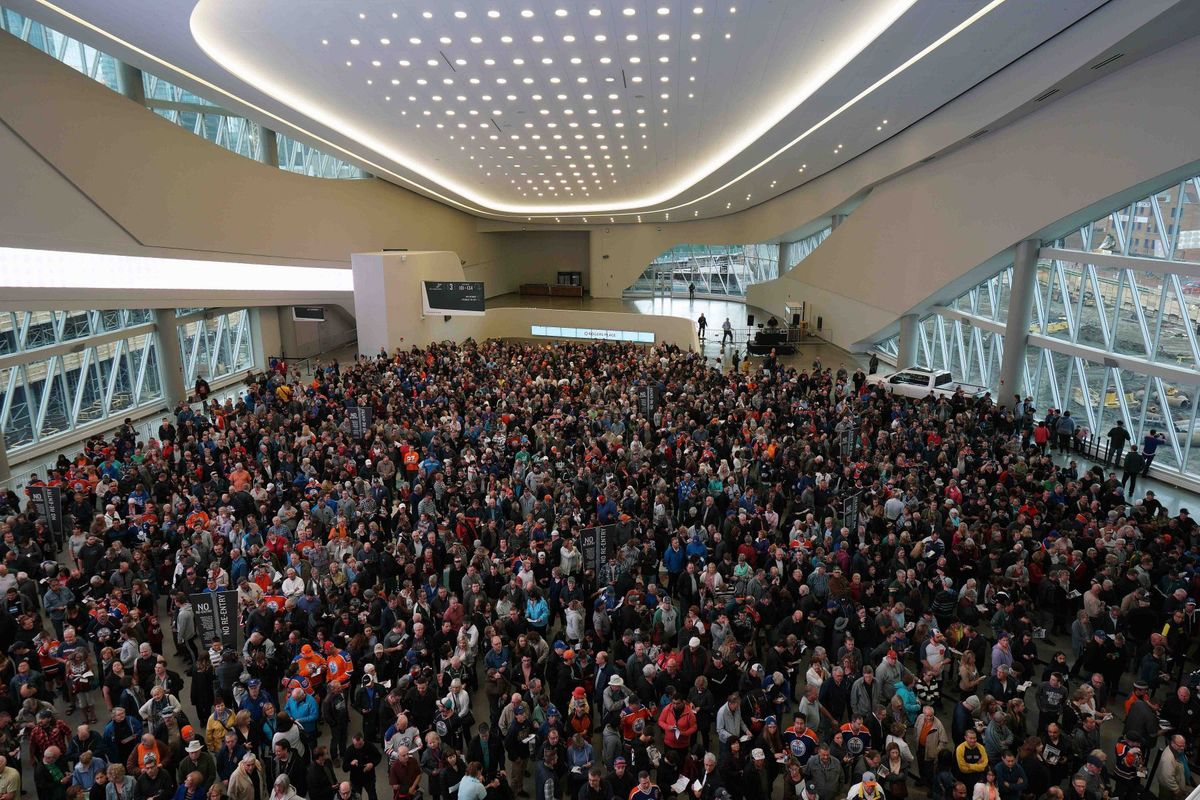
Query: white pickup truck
920, 383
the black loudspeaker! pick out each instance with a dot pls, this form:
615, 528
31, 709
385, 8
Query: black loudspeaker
820, 322
795, 320
749, 320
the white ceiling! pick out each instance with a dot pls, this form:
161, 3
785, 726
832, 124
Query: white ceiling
557, 110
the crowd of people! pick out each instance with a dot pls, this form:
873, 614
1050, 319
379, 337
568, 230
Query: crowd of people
521, 581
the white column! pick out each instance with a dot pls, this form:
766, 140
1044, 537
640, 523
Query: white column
129, 83
906, 355
1020, 315
170, 360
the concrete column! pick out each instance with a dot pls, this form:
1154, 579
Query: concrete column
170, 360
269, 152
906, 354
836, 220
129, 83
783, 265
5, 472
264, 329
1020, 315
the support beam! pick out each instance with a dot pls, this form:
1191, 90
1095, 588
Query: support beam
269, 152
129, 83
170, 360
836, 220
1020, 315
906, 353
5, 472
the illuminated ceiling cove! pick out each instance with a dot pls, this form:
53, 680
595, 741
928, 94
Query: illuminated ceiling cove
555, 109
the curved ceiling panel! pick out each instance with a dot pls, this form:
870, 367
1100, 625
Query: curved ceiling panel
549, 109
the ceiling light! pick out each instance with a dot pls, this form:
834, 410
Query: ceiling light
526, 13
631, 37
427, 14
506, 39
885, 122
476, 40
361, 15
460, 14
663, 59
445, 40
695, 37
635, 60
414, 40
733, 9
547, 60
354, 42
729, 36
324, 41
606, 60
561, 12
664, 37
376, 63
697, 10
568, 38
663, 11
595, 12
347, 63
432, 62
385, 41
576, 60
518, 61
600, 37
539, 39
629, 12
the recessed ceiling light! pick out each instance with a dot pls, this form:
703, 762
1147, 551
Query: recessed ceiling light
547, 60
635, 60
385, 41
729, 36
460, 14
476, 40
560, 12
526, 13
376, 63
395, 81
663, 59
606, 60
354, 42
600, 37
506, 39
433, 62
539, 39
664, 37
445, 40
885, 122
361, 15
576, 60
733, 9
695, 37
595, 12
629, 12
697, 10
427, 14
632, 37
348, 64
324, 41
414, 40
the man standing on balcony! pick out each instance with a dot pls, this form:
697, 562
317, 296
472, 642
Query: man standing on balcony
726, 331
1118, 436
1150, 443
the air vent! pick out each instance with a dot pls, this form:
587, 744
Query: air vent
1107, 61
1046, 94
977, 134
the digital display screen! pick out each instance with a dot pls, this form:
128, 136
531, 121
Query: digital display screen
452, 297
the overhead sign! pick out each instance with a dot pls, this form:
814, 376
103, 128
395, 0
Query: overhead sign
48, 502
452, 297
217, 617
361, 418
596, 544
